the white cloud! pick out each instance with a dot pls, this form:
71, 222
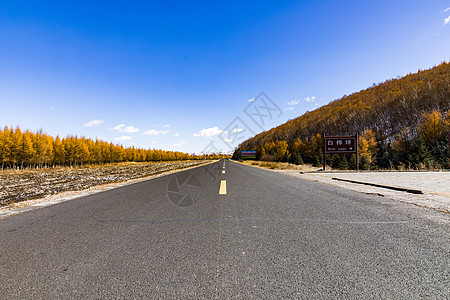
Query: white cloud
166, 126
177, 134
289, 108
128, 129
251, 100
119, 127
93, 123
293, 102
156, 132
209, 132
445, 10
310, 99
179, 144
447, 20
122, 138
237, 130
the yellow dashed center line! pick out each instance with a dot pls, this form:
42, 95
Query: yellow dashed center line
218, 249
222, 191
223, 187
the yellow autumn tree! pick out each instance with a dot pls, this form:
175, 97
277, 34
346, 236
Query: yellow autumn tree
367, 145
433, 127
58, 152
5, 146
280, 150
297, 145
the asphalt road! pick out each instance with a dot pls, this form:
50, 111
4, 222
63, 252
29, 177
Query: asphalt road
265, 236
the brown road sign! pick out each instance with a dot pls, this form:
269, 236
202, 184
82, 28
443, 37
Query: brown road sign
340, 144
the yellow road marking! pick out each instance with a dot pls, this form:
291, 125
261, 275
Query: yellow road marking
218, 250
223, 171
223, 187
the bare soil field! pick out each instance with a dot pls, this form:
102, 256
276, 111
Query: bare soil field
22, 185
281, 165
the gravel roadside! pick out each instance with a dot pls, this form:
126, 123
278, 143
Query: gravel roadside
434, 185
429, 200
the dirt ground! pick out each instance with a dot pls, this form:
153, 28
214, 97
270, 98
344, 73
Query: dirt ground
280, 165
22, 185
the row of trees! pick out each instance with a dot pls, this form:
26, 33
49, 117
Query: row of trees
403, 123
27, 149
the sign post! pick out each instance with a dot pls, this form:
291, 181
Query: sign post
357, 153
340, 145
324, 150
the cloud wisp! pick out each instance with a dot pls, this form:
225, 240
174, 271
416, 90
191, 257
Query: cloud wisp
127, 129
123, 138
293, 102
93, 123
446, 20
237, 130
209, 132
156, 132
310, 99
179, 144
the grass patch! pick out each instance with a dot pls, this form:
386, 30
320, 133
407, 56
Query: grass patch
281, 165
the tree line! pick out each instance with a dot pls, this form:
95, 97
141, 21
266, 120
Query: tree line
402, 123
26, 149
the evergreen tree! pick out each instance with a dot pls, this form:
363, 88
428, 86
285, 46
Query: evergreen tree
339, 162
364, 163
296, 158
420, 157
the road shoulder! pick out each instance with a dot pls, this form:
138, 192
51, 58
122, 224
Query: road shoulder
440, 203
436, 201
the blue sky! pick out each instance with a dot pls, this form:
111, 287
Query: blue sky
181, 75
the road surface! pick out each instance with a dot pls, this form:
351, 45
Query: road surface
225, 231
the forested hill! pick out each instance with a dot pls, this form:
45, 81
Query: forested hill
390, 114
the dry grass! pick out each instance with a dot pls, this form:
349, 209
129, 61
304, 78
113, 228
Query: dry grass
280, 165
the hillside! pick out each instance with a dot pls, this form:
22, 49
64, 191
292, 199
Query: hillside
402, 122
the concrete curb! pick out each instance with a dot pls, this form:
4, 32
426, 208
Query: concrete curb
396, 188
